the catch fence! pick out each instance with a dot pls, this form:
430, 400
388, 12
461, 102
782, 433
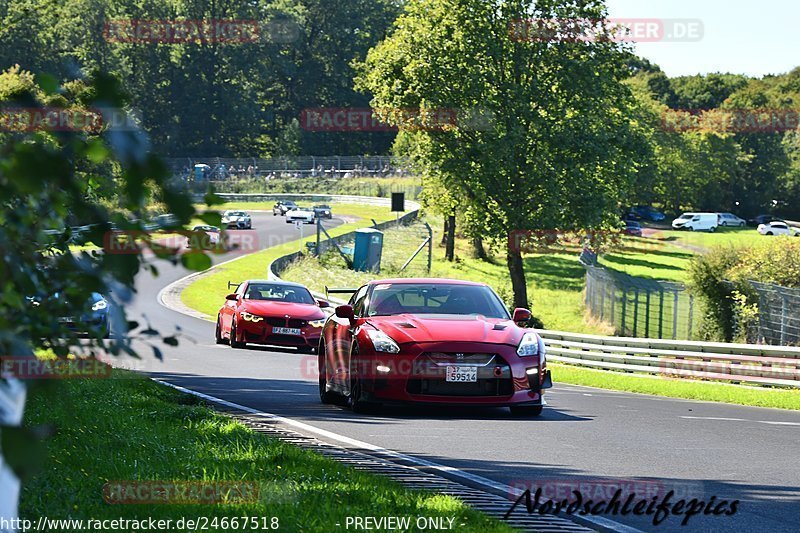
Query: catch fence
232, 169
639, 307
778, 314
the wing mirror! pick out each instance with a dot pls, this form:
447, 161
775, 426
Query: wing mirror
521, 316
232, 297
323, 304
346, 311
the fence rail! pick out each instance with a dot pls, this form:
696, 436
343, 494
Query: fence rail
739, 363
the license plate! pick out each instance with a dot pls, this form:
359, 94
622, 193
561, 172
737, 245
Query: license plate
462, 374
286, 331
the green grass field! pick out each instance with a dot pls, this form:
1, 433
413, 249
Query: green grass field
133, 429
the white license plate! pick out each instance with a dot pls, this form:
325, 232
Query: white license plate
286, 331
462, 374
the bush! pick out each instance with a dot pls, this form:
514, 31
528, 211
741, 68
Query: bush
721, 278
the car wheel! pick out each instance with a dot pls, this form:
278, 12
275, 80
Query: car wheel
768, 233
356, 401
325, 396
712, 230
218, 332
233, 342
526, 410
741, 224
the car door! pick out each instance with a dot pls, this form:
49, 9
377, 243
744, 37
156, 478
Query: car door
342, 337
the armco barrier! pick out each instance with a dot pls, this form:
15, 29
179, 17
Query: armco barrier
341, 198
745, 363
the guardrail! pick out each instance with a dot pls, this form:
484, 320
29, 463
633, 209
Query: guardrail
741, 363
342, 198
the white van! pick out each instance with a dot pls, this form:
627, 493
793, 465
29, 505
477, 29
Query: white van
697, 221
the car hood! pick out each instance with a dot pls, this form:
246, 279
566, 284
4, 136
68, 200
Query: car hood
281, 309
407, 328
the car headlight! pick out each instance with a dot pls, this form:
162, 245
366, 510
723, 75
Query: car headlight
99, 305
249, 317
317, 323
529, 345
382, 342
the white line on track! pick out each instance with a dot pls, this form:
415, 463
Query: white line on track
455, 472
724, 419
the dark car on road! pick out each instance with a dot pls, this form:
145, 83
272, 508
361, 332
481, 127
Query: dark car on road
282, 207
323, 211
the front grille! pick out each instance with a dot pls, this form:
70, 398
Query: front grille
468, 359
286, 339
439, 387
275, 321
297, 323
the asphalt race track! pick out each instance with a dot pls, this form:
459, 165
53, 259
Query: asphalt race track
600, 438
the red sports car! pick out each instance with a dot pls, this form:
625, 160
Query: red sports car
432, 341
268, 312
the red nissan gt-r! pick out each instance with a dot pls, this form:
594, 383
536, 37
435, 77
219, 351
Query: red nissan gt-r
274, 313
433, 341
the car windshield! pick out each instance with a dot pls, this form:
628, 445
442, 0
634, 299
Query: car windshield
322, 207
686, 216
435, 299
277, 292
237, 214
205, 228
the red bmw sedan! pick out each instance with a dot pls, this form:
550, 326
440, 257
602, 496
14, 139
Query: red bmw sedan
273, 313
433, 341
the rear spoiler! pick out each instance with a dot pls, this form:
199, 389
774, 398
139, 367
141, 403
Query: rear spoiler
233, 285
329, 290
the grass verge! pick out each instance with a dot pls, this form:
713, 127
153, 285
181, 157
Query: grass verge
675, 388
134, 429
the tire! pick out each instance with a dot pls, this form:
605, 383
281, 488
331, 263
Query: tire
218, 332
712, 230
768, 233
325, 396
233, 342
526, 411
741, 224
356, 401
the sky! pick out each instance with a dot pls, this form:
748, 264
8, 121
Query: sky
738, 36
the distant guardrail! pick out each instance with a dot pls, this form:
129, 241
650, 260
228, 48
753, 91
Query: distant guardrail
342, 198
741, 363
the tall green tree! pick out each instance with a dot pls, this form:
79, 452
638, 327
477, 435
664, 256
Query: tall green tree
544, 138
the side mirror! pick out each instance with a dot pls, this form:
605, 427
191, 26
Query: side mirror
521, 315
323, 304
346, 311
232, 297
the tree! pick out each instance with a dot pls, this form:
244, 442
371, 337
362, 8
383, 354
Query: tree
49, 178
543, 138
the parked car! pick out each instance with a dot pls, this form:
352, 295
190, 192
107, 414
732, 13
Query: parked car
696, 222
632, 228
237, 219
778, 227
432, 341
323, 211
648, 212
306, 216
272, 313
730, 220
761, 219
281, 207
